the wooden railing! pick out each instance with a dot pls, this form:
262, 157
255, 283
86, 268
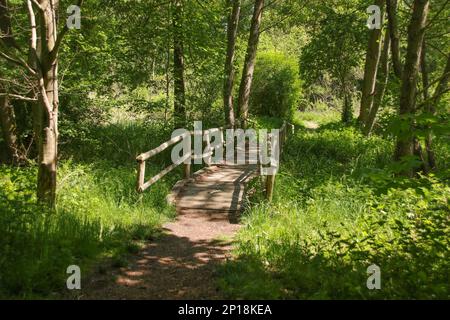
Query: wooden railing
143, 185
270, 178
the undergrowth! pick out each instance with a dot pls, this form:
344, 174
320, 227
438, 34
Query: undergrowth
337, 210
98, 216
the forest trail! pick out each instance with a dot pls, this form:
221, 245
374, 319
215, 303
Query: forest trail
180, 264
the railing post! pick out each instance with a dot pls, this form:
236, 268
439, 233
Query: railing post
270, 183
141, 175
208, 158
187, 166
187, 170
270, 178
222, 143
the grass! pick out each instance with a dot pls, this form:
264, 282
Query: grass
99, 216
337, 209
333, 216
320, 117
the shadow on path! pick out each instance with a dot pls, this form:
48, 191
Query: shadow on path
179, 265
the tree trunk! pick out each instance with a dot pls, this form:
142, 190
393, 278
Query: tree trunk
167, 71
380, 88
48, 104
7, 115
418, 152
9, 131
433, 102
371, 68
249, 65
347, 110
178, 65
391, 6
429, 107
233, 23
416, 31
5, 25
442, 86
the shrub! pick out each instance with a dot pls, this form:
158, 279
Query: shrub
276, 87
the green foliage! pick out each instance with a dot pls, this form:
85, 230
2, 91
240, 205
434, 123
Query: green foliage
99, 214
339, 205
331, 60
328, 223
276, 86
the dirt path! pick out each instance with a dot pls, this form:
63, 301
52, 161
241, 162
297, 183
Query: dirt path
179, 265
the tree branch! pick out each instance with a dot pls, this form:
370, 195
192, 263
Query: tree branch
437, 14
38, 5
17, 96
54, 52
18, 61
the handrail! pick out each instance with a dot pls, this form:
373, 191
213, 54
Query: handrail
141, 185
142, 158
147, 155
270, 180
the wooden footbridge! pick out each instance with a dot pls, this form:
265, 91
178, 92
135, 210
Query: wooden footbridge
217, 188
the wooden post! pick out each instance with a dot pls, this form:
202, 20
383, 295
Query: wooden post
141, 175
270, 183
223, 144
208, 158
187, 169
270, 179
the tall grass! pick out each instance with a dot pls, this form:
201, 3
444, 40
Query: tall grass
99, 215
329, 221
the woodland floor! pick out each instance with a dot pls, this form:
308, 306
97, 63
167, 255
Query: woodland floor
178, 265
